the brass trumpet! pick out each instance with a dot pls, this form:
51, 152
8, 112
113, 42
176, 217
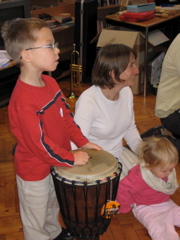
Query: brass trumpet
76, 71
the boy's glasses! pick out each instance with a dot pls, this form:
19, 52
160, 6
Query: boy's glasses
52, 46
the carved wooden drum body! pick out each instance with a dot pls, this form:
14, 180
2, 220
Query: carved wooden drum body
84, 191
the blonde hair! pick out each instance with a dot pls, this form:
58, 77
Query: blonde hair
19, 34
158, 151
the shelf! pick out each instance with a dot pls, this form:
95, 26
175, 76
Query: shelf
53, 11
62, 28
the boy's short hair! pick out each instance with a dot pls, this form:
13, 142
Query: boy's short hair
19, 34
111, 57
158, 151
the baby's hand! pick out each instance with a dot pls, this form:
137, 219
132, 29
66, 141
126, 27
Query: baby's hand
80, 158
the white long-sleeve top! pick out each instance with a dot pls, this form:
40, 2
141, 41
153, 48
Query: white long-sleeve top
106, 122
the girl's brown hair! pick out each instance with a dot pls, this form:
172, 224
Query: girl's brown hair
111, 57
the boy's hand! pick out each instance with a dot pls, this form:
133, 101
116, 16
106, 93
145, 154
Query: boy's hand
80, 158
91, 145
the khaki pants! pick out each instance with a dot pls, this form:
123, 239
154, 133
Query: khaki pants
39, 209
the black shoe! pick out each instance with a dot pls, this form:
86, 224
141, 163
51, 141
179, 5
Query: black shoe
64, 235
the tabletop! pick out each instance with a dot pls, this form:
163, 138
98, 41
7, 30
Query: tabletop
146, 24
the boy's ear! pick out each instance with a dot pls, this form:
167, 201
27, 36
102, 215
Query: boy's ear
25, 55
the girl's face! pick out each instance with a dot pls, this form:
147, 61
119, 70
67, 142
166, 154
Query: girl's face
45, 58
162, 172
128, 76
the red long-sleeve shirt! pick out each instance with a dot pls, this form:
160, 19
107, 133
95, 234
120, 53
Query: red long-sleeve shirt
133, 189
43, 125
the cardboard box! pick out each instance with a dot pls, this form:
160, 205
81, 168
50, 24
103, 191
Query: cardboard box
135, 40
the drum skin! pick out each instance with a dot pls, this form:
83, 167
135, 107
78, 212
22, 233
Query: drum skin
83, 191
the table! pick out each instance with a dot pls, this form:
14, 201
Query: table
145, 27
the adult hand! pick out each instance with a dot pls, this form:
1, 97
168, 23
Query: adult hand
91, 145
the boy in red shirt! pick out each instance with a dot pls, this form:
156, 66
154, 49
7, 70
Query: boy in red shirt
43, 125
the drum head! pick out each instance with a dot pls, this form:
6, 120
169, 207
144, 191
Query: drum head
101, 164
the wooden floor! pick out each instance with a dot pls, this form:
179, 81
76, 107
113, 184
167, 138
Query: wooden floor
122, 227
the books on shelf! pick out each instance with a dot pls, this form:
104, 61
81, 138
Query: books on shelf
58, 22
61, 19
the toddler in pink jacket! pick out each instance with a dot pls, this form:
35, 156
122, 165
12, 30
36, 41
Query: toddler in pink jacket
148, 186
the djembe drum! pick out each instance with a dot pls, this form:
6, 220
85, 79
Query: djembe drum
85, 193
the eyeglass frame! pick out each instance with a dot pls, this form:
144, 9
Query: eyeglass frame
52, 46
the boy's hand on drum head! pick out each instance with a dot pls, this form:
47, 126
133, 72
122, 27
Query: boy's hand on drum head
80, 158
91, 145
